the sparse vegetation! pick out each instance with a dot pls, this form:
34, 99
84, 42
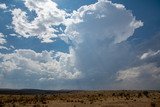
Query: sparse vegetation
81, 98
146, 93
139, 95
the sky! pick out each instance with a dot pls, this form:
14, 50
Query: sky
80, 44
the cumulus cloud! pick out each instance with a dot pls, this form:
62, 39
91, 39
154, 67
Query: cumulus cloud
2, 41
97, 34
47, 17
26, 65
102, 20
141, 77
3, 6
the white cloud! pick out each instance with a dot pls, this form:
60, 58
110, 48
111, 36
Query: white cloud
8, 66
97, 32
102, 20
141, 76
48, 15
3, 47
149, 54
129, 73
2, 42
3, 6
2, 39
37, 66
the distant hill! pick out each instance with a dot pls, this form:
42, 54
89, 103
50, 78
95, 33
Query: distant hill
33, 91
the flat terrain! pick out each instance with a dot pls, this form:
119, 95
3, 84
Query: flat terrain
39, 98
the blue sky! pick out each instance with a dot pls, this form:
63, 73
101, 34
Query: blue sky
80, 44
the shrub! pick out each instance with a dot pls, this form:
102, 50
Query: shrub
113, 94
36, 105
146, 93
153, 104
139, 95
1, 104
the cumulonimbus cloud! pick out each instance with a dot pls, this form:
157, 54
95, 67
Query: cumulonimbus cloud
96, 33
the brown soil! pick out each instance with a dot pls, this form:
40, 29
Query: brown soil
83, 99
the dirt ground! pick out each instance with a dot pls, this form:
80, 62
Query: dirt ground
84, 99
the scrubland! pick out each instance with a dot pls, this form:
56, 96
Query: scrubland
121, 98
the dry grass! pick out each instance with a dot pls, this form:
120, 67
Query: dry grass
84, 99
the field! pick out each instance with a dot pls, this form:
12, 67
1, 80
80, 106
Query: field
39, 98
